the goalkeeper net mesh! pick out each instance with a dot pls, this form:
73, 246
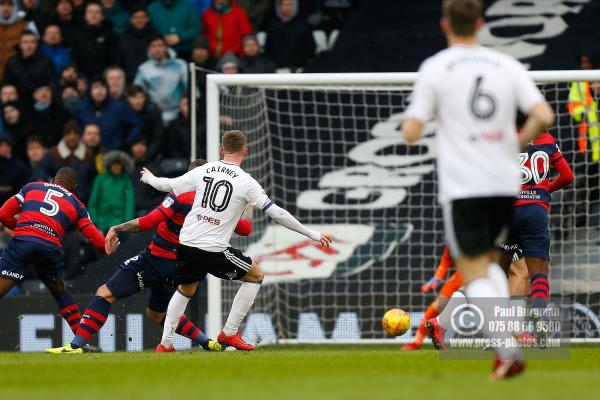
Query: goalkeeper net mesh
334, 157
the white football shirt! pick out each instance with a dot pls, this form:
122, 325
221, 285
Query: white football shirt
474, 93
222, 192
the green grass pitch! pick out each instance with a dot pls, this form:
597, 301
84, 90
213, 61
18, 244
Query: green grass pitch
290, 372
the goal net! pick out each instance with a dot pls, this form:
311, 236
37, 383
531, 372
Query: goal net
327, 148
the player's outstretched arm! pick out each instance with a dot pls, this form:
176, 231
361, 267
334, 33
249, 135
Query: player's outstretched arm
162, 184
284, 218
89, 230
187, 182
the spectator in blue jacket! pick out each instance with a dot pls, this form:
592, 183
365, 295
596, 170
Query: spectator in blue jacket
163, 77
119, 125
178, 22
52, 47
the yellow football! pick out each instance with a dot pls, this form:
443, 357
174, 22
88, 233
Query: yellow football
395, 322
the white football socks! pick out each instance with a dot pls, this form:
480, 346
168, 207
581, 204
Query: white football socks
486, 293
499, 279
458, 298
176, 308
242, 302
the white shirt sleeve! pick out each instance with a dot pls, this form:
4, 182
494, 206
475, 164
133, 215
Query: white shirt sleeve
528, 94
187, 182
423, 103
257, 196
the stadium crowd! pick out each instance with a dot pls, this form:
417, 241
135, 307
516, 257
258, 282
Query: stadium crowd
103, 86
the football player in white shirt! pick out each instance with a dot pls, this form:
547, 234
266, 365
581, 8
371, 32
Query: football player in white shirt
474, 94
223, 190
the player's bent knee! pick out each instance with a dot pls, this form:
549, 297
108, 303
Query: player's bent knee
255, 275
56, 287
188, 290
104, 292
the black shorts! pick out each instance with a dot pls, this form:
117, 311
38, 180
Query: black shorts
529, 232
145, 271
193, 264
477, 225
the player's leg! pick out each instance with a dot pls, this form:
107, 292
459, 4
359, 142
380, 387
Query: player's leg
48, 264
518, 278
540, 286
536, 249
434, 309
158, 302
474, 227
245, 270
244, 299
450, 297
126, 281
188, 272
13, 264
68, 308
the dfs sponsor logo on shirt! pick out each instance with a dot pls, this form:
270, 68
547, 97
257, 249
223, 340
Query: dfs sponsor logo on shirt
286, 256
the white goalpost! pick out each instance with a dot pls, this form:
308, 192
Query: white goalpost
327, 148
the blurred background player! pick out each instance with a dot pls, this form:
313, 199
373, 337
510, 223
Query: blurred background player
153, 268
46, 212
448, 288
478, 176
226, 189
529, 229
518, 279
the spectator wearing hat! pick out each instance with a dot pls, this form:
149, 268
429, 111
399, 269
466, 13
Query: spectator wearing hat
132, 46
35, 153
66, 19
112, 200
14, 172
176, 20
11, 27
54, 48
225, 23
229, 64
93, 140
47, 116
28, 67
146, 197
118, 123
116, 14
289, 37
153, 130
253, 62
115, 78
94, 46
163, 77
69, 97
72, 152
